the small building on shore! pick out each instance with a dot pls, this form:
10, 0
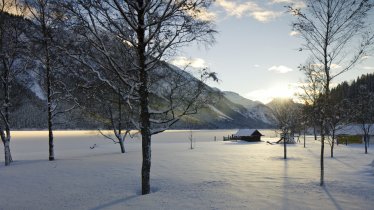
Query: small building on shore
353, 134
247, 135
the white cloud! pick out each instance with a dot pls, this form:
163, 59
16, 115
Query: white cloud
365, 57
183, 62
202, 14
248, 8
294, 33
368, 67
264, 16
256, 66
333, 65
295, 3
280, 69
237, 9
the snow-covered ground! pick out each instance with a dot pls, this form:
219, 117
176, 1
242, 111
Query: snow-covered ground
214, 175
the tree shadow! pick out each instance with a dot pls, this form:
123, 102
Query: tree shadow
24, 162
285, 185
344, 163
114, 202
338, 207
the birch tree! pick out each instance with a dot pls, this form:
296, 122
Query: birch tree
336, 36
49, 30
151, 31
12, 62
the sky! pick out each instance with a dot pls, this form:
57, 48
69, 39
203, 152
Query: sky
256, 53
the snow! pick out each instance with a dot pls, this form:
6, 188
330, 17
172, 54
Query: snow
219, 113
255, 109
355, 129
214, 175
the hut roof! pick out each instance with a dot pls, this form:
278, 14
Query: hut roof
247, 132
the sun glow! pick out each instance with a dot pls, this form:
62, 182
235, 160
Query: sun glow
276, 91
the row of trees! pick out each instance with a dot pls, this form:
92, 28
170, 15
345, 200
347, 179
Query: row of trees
337, 37
105, 57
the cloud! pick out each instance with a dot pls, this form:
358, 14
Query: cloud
294, 33
280, 69
368, 67
264, 16
237, 9
248, 8
203, 14
365, 57
183, 62
294, 3
256, 66
332, 66
335, 66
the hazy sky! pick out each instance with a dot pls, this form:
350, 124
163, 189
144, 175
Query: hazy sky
256, 54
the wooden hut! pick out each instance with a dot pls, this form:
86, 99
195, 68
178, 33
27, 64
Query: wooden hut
248, 135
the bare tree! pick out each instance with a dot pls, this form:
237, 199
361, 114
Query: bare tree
364, 112
311, 91
287, 113
48, 22
109, 109
337, 117
12, 62
150, 31
332, 30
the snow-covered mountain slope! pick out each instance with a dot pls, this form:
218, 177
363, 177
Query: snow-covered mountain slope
238, 99
224, 110
254, 109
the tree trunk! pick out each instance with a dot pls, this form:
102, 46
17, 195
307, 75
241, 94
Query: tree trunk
6, 142
314, 133
8, 156
285, 147
49, 87
191, 140
304, 138
145, 129
322, 160
120, 139
50, 139
332, 148
366, 144
332, 144
122, 145
50, 128
5, 137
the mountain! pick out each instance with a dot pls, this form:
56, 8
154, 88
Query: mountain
226, 109
255, 109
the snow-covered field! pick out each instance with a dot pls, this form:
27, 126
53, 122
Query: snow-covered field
214, 175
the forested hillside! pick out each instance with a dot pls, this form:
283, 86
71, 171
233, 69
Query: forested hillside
352, 89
